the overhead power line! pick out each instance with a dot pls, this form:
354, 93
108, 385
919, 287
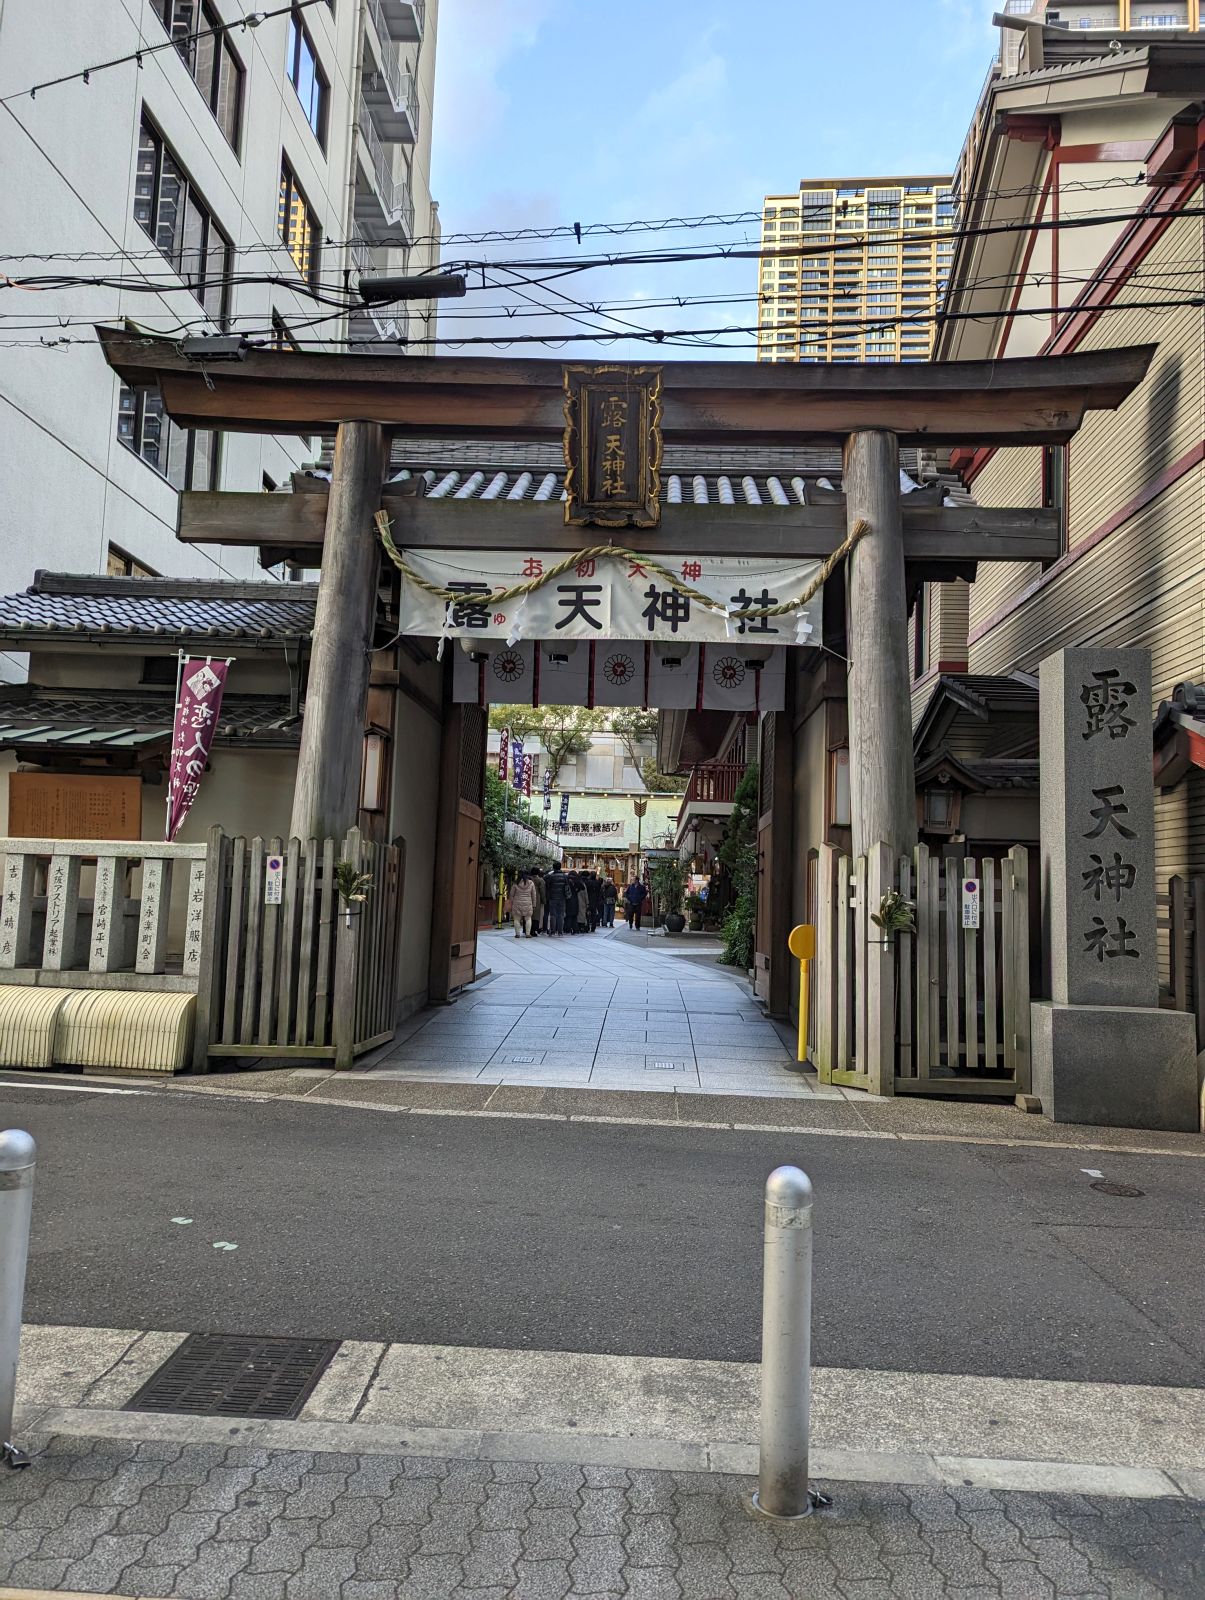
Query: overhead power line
748, 333
564, 267
562, 230
1170, 277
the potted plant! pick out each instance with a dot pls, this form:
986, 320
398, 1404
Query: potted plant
696, 906
669, 885
895, 915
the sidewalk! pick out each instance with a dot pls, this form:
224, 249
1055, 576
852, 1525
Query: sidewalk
218, 1522
425, 1472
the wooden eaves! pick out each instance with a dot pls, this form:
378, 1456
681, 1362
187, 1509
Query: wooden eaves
1030, 400
290, 527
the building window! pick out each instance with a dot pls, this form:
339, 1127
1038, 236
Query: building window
298, 226
1054, 485
839, 815
215, 69
307, 76
186, 457
120, 564
920, 632
181, 224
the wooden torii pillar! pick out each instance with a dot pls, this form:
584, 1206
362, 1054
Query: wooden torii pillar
327, 790
881, 784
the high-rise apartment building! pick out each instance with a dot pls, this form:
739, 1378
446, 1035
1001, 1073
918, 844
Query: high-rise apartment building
234, 174
874, 254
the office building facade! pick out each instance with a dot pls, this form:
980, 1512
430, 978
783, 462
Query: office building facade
233, 172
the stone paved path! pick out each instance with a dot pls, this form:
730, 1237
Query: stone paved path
609, 1010
209, 1522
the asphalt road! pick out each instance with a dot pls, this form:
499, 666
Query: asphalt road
932, 1257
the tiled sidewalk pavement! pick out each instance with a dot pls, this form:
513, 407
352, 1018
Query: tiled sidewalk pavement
608, 1010
216, 1523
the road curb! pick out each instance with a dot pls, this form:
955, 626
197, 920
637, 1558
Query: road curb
912, 1469
64, 1594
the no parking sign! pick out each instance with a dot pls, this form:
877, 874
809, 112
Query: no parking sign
970, 902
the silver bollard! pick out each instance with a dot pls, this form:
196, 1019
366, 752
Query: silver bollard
786, 1350
18, 1157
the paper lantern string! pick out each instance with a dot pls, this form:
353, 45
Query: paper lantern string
604, 552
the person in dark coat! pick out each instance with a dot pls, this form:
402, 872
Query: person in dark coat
594, 899
572, 886
556, 885
610, 894
634, 897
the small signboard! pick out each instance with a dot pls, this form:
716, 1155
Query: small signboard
613, 446
970, 902
274, 880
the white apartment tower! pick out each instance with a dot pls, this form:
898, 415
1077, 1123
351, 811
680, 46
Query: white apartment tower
290, 147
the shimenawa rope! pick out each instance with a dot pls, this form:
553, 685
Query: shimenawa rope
603, 552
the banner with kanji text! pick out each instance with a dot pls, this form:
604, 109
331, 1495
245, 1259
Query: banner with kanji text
608, 598
197, 706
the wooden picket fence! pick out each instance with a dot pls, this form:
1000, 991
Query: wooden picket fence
304, 977
1180, 918
942, 1010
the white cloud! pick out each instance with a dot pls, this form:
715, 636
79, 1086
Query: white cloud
477, 38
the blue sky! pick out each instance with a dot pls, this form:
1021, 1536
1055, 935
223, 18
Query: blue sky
555, 111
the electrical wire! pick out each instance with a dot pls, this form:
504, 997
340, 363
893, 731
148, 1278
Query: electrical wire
252, 20
659, 336
1167, 277
566, 230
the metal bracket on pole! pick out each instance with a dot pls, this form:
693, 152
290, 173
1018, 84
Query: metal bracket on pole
783, 1493
18, 1157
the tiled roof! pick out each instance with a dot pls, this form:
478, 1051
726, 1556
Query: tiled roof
740, 485
159, 608
92, 719
548, 456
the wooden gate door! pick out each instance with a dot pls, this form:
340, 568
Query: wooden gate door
457, 849
467, 864
775, 874
763, 941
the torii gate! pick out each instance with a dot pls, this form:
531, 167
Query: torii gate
870, 410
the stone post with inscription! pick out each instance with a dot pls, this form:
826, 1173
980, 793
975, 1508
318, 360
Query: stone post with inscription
1103, 1051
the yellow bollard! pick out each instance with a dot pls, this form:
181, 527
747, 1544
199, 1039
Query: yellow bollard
501, 894
802, 945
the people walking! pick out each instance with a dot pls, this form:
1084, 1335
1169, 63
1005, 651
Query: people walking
610, 895
539, 912
634, 897
522, 904
556, 885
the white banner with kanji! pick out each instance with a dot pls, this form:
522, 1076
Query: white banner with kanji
608, 598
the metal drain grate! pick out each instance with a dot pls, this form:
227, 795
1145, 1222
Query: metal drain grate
229, 1375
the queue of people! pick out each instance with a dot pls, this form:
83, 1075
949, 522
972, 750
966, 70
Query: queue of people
560, 901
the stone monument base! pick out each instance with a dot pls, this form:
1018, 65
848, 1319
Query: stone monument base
1120, 1066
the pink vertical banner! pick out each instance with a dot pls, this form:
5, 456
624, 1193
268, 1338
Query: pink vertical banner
197, 706
503, 754
527, 775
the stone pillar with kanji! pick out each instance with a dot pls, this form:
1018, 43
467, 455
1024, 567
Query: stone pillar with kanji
1103, 1051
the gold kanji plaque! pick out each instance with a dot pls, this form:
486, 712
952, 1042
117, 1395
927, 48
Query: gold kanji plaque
613, 446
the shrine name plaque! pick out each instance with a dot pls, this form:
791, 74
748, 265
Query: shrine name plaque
51, 805
612, 446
